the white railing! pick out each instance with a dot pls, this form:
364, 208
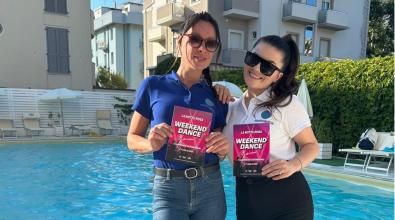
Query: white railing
15, 102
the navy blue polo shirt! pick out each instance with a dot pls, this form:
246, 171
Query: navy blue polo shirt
156, 98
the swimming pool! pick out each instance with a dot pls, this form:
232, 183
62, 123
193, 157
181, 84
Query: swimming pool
105, 181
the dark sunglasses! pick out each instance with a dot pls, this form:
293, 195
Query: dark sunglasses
196, 41
267, 68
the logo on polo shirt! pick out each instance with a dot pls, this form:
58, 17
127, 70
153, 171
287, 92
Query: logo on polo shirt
266, 114
209, 102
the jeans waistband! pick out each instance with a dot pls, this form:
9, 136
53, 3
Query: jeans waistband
189, 173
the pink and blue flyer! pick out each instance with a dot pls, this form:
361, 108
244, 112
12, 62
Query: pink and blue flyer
190, 129
251, 148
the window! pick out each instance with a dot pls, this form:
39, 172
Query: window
105, 60
325, 45
58, 50
311, 2
112, 57
111, 30
194, 2
327, 4
236, 40
97, 61
308, 40
55, 6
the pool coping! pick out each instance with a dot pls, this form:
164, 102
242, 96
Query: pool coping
355, 179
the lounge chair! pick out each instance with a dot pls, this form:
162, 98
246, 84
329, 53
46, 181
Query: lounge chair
103, 118
31, 122
384, 141
82, 129
6, 126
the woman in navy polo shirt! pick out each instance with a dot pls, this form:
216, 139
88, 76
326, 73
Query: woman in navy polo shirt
281, 192
182, 191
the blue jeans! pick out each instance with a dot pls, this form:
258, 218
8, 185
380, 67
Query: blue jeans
201, 198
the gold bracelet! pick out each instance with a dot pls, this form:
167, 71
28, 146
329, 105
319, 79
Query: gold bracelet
301, 164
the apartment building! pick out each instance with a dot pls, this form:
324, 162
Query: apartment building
45, 44
321, 28
118, 41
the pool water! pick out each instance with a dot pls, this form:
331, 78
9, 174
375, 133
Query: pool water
106, 181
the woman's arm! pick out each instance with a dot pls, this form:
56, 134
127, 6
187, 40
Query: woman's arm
136, 136
309, 150
308, 145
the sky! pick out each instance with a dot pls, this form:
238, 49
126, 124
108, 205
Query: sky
109, 3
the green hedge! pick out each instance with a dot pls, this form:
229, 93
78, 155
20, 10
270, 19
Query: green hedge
234, 76
347, 97
350, 96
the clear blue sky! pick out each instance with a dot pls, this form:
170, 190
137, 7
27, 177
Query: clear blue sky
109, 3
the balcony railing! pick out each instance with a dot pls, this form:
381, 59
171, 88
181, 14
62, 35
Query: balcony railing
156, 34
333, 20
170, 14
300, 13
239, 9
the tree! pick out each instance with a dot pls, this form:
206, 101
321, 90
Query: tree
167, 65
381, 28
108, 80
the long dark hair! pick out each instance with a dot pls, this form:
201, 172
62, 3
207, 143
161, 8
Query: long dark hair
191, 21
286, 85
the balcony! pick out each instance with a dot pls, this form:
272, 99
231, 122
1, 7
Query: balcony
333, 20
240, 10
300, 13
170, 14
156, 34
233, 57
102, 45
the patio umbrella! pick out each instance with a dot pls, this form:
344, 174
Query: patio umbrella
60, 95
235, 91
304, 97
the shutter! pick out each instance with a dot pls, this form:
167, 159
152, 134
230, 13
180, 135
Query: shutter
62, 6
63, 55
49, 5
52, 50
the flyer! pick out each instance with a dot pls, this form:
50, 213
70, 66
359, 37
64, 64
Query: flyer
251, 148
190, 129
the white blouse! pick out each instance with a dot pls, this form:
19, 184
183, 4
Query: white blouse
285, 123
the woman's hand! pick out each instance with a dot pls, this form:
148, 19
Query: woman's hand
223, 93
281, 169
217, 143
158, 135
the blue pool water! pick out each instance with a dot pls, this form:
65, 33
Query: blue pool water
106, 181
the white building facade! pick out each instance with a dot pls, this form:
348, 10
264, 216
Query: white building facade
321, 28
118, 41
45, 44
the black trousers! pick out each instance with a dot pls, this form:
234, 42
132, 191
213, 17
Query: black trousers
266, 199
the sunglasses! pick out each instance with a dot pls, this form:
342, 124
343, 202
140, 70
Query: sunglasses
196, 41
267, 68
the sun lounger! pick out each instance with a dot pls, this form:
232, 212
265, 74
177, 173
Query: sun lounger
6, 126
385, 140
31, 123
82, 129
103, 118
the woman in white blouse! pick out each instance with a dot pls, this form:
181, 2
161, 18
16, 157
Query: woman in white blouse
281, 192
